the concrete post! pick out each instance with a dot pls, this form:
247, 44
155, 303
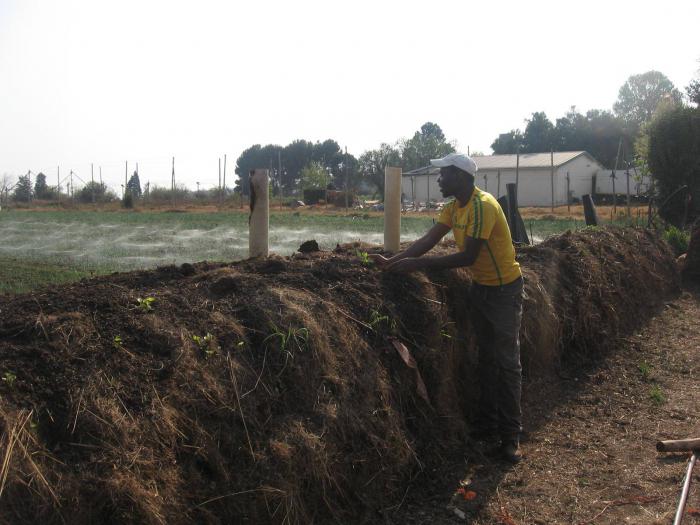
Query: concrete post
259, 219
392, 209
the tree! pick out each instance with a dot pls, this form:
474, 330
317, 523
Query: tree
507, 143
674, 158
373, 162
693, 91
99, 190
427, 143
539, 134
641, 94
41, 189
134, 186
23, 189
314, 176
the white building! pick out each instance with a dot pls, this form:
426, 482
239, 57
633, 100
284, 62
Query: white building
541, 178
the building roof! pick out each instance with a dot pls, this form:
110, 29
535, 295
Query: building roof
508, 162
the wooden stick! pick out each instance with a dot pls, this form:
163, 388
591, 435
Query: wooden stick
678, 445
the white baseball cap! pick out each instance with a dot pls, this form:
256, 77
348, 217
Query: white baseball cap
459, 160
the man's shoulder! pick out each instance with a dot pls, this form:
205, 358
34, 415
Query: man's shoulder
487, 200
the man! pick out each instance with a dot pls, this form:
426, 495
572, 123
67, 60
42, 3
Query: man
483, 238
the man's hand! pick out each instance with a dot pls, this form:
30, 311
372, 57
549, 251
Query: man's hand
407, 265
379, 259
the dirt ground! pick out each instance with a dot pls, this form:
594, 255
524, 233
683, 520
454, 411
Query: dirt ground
589, 441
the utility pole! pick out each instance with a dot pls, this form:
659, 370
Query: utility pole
346, 179
279, 174
172, 184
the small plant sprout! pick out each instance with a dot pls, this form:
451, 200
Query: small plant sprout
376, 318
656, 395
9, 378
645, 370
206, 344
293, 337
117, 342
364, 257
145, 304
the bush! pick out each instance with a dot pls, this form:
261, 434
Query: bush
128, 201
678, 239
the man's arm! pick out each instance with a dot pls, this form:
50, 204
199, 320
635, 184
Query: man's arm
466, 257
418, 248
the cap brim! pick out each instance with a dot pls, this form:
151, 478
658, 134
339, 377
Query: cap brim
440, 163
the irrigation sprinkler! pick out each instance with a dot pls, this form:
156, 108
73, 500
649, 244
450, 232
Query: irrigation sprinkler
259, 220
392, 209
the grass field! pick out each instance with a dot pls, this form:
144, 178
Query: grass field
58, 246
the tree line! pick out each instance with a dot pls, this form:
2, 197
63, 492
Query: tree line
304, 164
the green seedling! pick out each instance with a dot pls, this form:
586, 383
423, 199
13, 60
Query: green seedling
293, 337
145, 305
645, 370
9, 378
206, 344
445, 334
656, 395
376, 318
364, 258
117, 342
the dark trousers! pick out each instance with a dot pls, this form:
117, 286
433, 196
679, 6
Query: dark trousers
496, 314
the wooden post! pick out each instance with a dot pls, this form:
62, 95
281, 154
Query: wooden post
627, 172
551, 175
427, 198
517, 170
259, 220
392, 209
512, 199
589, 211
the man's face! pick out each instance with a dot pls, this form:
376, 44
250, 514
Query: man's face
450, 181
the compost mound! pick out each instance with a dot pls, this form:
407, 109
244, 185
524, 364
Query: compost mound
308, 389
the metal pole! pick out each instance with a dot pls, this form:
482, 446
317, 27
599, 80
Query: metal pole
686, 488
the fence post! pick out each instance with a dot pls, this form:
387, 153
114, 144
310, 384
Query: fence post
392, 209
259, 220
589, 211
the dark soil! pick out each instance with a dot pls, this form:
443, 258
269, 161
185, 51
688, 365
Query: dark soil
274, 390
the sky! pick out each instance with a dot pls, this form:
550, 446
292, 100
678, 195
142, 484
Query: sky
91, 82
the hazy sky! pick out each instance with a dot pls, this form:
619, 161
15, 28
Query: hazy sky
86, 81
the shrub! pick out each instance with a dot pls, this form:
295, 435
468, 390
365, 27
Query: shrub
678, 239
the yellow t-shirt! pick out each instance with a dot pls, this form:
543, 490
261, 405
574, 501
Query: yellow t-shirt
483, 218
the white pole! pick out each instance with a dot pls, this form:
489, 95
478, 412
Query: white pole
392, 209
259, 214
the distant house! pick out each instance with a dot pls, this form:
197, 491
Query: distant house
535, 181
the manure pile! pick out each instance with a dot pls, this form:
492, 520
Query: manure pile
297, 390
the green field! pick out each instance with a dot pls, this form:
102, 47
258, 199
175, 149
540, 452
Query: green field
52, 247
